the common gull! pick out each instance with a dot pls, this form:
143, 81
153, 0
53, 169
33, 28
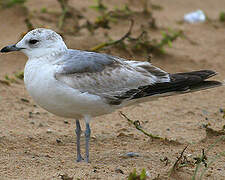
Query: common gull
80, 84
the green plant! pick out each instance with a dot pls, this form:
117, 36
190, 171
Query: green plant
65, 12
180, 162
19, 75
11, 80
134, 176
44, 10
167, 39
113, 42
124, 11
222, 16
10, 3
28, 23
203, 160
106, 16
144, 44
68, 12
99, 7
138, 127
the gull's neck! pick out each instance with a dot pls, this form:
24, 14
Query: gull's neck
50, 56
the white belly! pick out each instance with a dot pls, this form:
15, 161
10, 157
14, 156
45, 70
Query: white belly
58, 98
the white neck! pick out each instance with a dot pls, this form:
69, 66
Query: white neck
49, 56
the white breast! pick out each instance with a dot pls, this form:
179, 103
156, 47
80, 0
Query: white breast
57, 97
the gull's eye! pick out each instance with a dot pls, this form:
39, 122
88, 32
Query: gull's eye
33, 41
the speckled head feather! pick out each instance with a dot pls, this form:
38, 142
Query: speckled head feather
41, 42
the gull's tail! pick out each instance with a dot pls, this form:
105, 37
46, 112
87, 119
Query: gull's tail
180, 83
194, 81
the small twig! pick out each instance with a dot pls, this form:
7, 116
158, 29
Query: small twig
113, 42
166, 160
202, 159
145, 7
139, 37
64, 13
189, 39
5, 82
175, 165
138, 127
28, 24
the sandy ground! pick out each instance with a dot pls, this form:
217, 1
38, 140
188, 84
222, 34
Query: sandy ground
35, 144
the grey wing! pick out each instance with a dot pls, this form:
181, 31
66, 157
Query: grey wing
107, 76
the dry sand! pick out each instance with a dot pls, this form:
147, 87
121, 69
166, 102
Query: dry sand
35, 144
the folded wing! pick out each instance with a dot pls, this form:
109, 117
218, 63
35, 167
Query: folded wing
107, 76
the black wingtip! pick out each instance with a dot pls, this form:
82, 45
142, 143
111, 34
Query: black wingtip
205, 85
203, 74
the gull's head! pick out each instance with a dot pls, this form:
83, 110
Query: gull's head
37, 43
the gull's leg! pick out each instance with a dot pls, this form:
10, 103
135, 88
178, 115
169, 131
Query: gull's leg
87, 137
78, 132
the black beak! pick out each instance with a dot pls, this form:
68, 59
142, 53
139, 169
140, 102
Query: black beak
10, 48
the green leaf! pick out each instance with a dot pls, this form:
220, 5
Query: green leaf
133, 175
143, 175
164, 34
222, 16
43, 10
10, 3
170, 43
19, 75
